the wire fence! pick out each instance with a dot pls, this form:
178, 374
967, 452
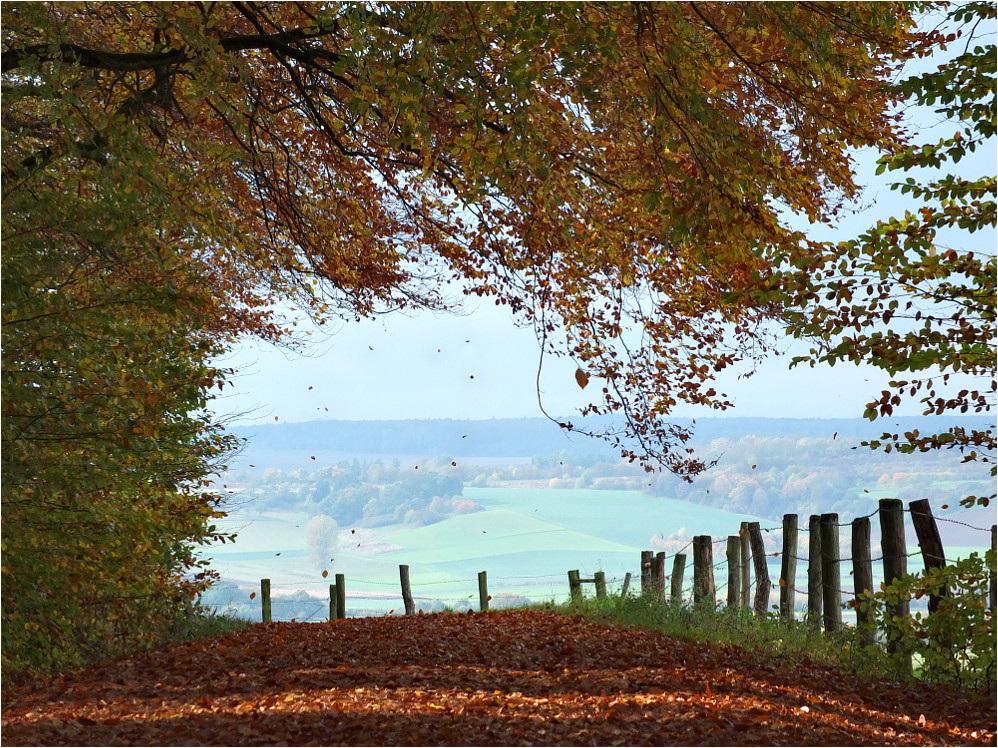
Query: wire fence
306, 603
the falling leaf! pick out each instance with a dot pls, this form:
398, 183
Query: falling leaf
582, 378
325, 574
313, 457
252, 595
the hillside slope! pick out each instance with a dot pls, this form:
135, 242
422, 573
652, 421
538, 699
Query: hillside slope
509, 678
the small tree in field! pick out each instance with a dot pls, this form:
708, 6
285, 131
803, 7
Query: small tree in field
320, 540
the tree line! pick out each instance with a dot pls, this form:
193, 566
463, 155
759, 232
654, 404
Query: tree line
762, 476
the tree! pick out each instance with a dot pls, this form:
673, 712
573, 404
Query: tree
106, 446
359, 158
321, 540
915, 295
616, 174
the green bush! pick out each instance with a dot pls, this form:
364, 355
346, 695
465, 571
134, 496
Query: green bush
956, 643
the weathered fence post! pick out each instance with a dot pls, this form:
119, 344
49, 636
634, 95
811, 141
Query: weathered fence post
678, 570
599, 579
332, 602
862, 573
575, 585
892, 542
734, 556
929, 542
410, 606
646, 571
658, 574
743, 533
704, 591
814, 571
341, 596
483, 591
831, 577
762, 583
788, 567
265, 600
627, 583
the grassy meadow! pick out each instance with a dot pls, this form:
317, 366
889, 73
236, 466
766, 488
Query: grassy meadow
525, 538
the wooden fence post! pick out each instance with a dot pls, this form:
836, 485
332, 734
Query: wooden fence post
895, 550
575, 585
788, 567
762, 583
678, 570
862, 572
734, 556
341, 596
743, 533
599, 579
929, 542
831, 576
332, 602
646, 571
410, 606
483, 591
658, 574
265, 600
704, 591
814, 571
627, 583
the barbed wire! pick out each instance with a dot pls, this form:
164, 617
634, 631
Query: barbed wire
956, 522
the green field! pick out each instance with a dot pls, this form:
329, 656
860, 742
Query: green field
525, 539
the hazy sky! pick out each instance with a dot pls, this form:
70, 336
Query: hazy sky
481, 366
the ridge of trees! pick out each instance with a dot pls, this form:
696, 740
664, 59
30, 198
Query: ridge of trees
765, 476
287, 444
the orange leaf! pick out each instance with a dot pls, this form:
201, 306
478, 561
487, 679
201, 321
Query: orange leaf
582, 378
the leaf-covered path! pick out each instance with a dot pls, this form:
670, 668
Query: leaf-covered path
507, 678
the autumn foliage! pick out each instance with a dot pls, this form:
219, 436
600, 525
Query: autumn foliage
509, 678
619, 175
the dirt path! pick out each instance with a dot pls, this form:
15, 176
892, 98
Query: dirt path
509, 678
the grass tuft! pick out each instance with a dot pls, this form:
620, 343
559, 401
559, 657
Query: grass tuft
768, 637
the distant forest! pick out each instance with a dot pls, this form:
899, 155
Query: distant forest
766, 467
293, 444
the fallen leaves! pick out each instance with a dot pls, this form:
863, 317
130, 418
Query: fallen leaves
504, 678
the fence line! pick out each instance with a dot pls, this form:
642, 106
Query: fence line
747, 583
